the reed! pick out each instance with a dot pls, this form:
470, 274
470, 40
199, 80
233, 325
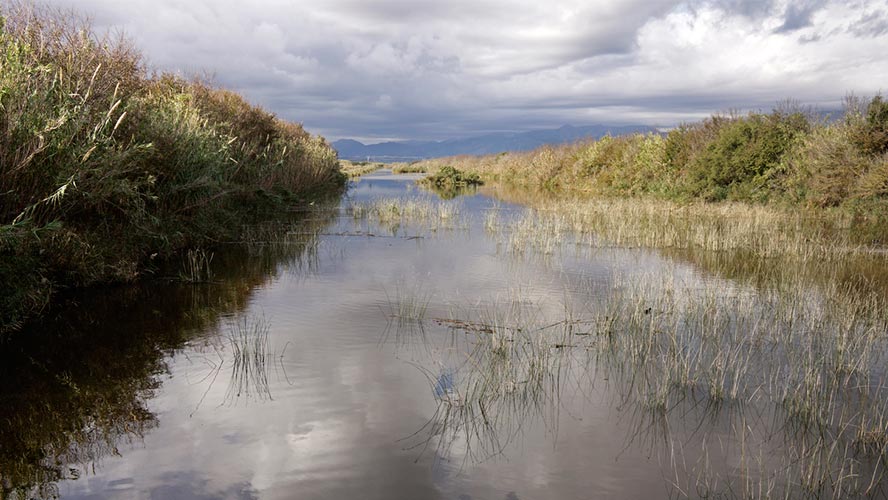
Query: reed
790, 380
105, 166
196, 267
410, 168
392, 212
765, 232
250, 354
407, 304
354, 169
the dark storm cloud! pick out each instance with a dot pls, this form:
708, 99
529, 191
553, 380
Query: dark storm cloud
437, 69
798, 15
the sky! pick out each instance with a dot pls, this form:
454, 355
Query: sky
434, 69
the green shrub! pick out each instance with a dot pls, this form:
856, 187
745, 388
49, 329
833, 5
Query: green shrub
450, 177
746, 158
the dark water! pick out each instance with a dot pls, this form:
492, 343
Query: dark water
140, 392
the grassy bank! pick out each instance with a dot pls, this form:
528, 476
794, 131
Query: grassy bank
358, 168
787, 156
105, 167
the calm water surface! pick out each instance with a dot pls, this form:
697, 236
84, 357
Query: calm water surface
140, 392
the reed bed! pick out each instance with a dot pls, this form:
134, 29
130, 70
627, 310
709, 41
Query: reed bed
764, 232
790, 155
393, 212
409, 168
197, 267
813, 359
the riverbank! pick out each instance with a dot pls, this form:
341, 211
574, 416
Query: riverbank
107, 168
790, 156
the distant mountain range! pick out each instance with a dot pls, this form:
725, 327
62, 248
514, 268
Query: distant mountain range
485, 144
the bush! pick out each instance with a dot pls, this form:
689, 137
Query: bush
450, 177
746, 156
872, 131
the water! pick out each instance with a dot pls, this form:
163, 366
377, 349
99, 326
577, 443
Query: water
331, 366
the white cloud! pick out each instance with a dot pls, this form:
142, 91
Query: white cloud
431, 69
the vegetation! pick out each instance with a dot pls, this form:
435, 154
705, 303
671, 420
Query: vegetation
448, 177
762, 376
75, 390
776, 392
392, 213
358, 168
787, 156
448, 182
414, 167
104, 167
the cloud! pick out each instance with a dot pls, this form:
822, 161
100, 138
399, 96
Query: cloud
871, 24
799, 15
422, 69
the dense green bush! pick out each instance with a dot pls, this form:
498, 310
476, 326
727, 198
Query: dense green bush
746, 156
103, 165
450, 177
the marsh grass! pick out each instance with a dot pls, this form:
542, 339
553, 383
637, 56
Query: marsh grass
197, 266
407, 304
250, 356
421, 211
492, 221
358, 168
762, 232
814, 360
789, 381
507, 372
409, 168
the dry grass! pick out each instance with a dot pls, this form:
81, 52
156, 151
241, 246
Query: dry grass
392, 212
762, 231
358, 168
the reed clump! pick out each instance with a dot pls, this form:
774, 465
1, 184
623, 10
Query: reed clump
393, 212
250, 354
104, 165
